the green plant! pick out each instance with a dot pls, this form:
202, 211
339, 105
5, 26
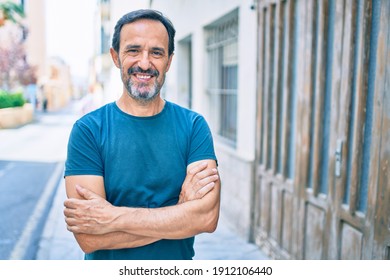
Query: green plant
14, 68
8, 100
11, 11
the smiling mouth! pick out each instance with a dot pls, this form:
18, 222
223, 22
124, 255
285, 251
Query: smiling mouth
143, 77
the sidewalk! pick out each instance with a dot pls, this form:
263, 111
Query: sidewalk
59, 244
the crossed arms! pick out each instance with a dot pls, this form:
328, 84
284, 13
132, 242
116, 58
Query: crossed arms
98, 225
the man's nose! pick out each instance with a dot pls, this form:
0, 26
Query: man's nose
144, 62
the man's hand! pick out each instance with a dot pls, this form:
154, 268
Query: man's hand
92, 214
199, 181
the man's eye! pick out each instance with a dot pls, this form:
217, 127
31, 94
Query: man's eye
157, 53
132, 51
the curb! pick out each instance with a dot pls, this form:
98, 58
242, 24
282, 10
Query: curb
25, 240
56, 242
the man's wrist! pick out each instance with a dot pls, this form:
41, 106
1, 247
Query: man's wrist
121, 219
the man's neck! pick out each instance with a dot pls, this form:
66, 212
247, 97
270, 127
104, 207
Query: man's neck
139, 108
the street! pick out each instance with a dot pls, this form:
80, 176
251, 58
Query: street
31, 165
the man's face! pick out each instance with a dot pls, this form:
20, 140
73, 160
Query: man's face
143, 58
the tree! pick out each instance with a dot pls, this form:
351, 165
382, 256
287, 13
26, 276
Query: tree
10, 11
14, 68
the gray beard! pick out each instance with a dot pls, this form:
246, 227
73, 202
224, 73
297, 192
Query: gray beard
143, 96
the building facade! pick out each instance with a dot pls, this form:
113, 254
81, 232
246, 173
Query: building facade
214, 72
322, 189
36, 38
50, 77
297, 96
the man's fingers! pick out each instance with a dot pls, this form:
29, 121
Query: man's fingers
76, 229
71, 213
78, 224
205, 185
199, 181
85, 193
198, 168
67, 211
70, 203
203, 191
202, 183
206, 173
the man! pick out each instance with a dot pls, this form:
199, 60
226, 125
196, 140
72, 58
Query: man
141, 173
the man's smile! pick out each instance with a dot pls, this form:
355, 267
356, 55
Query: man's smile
143, 77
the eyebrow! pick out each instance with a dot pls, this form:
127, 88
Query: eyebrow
128, 47
158, 49
132, 47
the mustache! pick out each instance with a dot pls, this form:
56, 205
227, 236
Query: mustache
138, 69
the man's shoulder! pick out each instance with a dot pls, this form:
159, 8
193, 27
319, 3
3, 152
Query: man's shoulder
187, 113
96, 116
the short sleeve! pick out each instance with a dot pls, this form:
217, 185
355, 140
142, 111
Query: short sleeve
201, 146
83, 156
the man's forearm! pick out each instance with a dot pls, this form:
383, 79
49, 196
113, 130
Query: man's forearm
105, 227
114, 240
173, 222
193, 214
92, 214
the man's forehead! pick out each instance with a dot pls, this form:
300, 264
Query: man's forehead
142, 24
144, 29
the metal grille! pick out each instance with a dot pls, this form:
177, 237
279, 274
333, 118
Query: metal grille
222, 55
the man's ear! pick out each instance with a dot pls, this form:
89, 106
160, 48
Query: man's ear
115, 57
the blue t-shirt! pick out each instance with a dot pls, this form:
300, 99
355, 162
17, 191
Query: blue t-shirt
143, 161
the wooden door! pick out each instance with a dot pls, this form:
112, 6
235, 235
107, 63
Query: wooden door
322, 188
379, 177
274, 200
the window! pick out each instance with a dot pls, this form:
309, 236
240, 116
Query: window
185, 72
222, 83
105, 27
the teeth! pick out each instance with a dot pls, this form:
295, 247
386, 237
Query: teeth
144, 76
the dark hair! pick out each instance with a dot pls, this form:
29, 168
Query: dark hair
144, 14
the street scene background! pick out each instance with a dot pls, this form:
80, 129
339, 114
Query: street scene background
55, 44
296, 94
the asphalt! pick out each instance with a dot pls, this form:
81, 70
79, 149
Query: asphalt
57, 243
